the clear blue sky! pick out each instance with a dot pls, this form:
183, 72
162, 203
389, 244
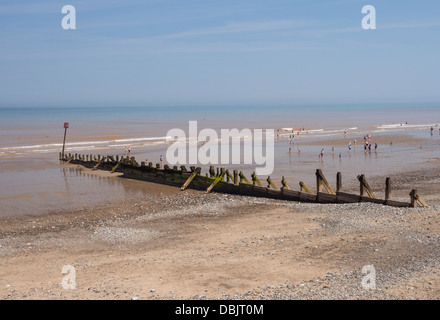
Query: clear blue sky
183, 52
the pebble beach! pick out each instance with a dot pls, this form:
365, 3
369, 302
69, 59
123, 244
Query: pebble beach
191, 245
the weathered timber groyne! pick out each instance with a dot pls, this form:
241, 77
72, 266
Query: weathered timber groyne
224, 181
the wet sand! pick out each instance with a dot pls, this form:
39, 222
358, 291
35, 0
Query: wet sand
38, 185
381, 140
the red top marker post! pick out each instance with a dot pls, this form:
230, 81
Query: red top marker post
66, 126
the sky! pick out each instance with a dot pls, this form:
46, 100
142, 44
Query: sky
222, 52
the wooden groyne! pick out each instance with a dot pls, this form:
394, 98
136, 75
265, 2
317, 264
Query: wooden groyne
222, 180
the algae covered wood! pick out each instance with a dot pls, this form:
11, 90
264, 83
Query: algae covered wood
364, 186
191, 178
184, 179
217, 180
303, 186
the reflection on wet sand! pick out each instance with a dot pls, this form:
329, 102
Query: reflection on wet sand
69, 188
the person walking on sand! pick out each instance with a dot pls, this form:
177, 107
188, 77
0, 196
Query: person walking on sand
375, 146
128, 149
321, 155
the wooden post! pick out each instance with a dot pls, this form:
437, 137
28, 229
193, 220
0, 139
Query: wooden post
255, 180
66, 125
303, 186
322, 181
365, 187
388, 189
217, 180
191, 178
361, 185
271, 184
338, 182
134, 162
318, 181
116, 166
284, 183
412, 194
236, 182
416, 199
243, 178
230, 177
99, 163
211, 171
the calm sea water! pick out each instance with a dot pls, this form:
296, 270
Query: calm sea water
33, 182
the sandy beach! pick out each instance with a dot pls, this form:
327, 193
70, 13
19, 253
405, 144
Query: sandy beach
212, 150
189, 245
130, 239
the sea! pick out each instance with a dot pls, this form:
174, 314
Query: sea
34, 182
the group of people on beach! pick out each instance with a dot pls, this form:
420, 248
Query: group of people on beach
367, 143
